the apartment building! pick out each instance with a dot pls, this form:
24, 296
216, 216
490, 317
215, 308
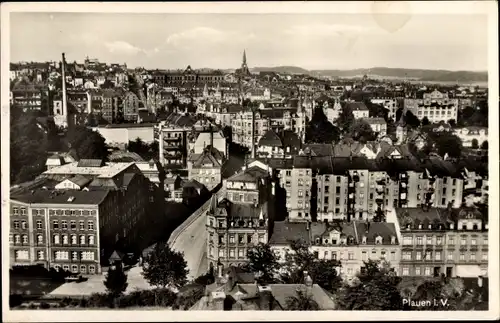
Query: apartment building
453, 242
359, 109
351, 243
206, 167
246, 123
61, 229
173, 138
281, 144
436, 106
389, 104
251, 185
378, 125
232, 229
326, 188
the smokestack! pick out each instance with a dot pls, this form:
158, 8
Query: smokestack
253, 134
211, 136
64, 100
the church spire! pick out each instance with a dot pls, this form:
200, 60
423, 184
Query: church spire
244, 57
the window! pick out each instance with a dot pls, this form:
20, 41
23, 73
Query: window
485, 241
406, 255
484, 256
462, 256
82, 239
221, 253
393, 255
406, 271
22, 254
231, 253
349, 271
473, 241
64, 224
91, 269
82, 225
417, 271
428, 255
23, 211
439, 240
438, 255
87, 255
450, 256
56, 239
350, 256
55, 224
91, 240
25, 238
39, 224
40, 255
241, 253
74, 268
473, 256
39, 238
418, 255
74, 255
419, 241
463, 241
334, 255
65, 239
261, 238
73, 225
15, 211
451, 240
90, 225
24, 225
16, 225
364, 256
427, 271
429, 240
231, 239
61, 255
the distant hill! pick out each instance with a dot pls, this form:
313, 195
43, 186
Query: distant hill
418, 74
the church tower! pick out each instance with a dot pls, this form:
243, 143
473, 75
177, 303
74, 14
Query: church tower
244, 67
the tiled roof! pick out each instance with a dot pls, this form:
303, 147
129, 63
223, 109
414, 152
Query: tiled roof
251, 174
80, 180
270, 138
210, 155
318, 149
356, 106
62, 197
285, 232
90, 163
416, 216
372, 230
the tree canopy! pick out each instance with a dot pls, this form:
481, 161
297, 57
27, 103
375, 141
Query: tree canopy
375, 289
303, 301
88, 144
116, 281
345, 119
484, 145
446, 143
263, 262
144, 150
361, 131
320, 130
28, 147
165, 267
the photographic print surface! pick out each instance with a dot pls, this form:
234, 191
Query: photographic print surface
255, 159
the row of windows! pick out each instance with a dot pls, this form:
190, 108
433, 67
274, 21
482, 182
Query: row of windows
21, 211
231, 254
75, 269
408, 240
407, 255
24, 239
237, 237
72, 212
81, 225
75, 255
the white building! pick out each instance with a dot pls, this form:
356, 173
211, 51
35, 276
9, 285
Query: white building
468, 134
378, 125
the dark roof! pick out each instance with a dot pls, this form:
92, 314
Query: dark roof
251, 174
209, 155
80, 180
318, 149
285, 232
416, 216
373, 229
236, 210
91, 163
356, 106
62, 197
270, 138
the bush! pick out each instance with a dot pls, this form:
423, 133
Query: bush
15, 300
44, 305
190, 297
205, 279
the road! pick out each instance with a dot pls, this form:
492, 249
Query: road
192, 242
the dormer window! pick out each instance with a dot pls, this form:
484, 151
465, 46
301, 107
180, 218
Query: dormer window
408, 226
326, 241
317, 240
378, 240
420, 226
364, 240
452, 226
464, 227
393, 240
430, 226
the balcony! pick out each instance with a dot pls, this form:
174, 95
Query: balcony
171, 139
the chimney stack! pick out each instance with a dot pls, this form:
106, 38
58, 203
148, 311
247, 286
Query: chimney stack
265, 298
218, 299
64, 99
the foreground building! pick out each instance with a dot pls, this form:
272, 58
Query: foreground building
451, 242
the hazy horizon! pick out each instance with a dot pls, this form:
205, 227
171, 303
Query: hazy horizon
217, 41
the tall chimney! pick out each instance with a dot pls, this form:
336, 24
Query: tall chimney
211, 136
64, 100
253, 134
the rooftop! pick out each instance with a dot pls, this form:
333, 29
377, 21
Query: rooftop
62, 197
109, 169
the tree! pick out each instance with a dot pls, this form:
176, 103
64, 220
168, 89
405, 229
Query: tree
322, 271
425, 121
411, 120
452, 123
345, 119
28, 147
263, 262
165, 267
448, 144
88, 144
362, 131
484, 145
475, 144
375, 289
320, 130
303, 301
116, 281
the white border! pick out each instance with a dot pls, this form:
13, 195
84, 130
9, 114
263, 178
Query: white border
488, 8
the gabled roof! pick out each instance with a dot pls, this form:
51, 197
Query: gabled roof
210, 155
285, 232
251, 174
270, 138
372, 230
80, 180
91, 163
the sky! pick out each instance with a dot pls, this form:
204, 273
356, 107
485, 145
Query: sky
311, 41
